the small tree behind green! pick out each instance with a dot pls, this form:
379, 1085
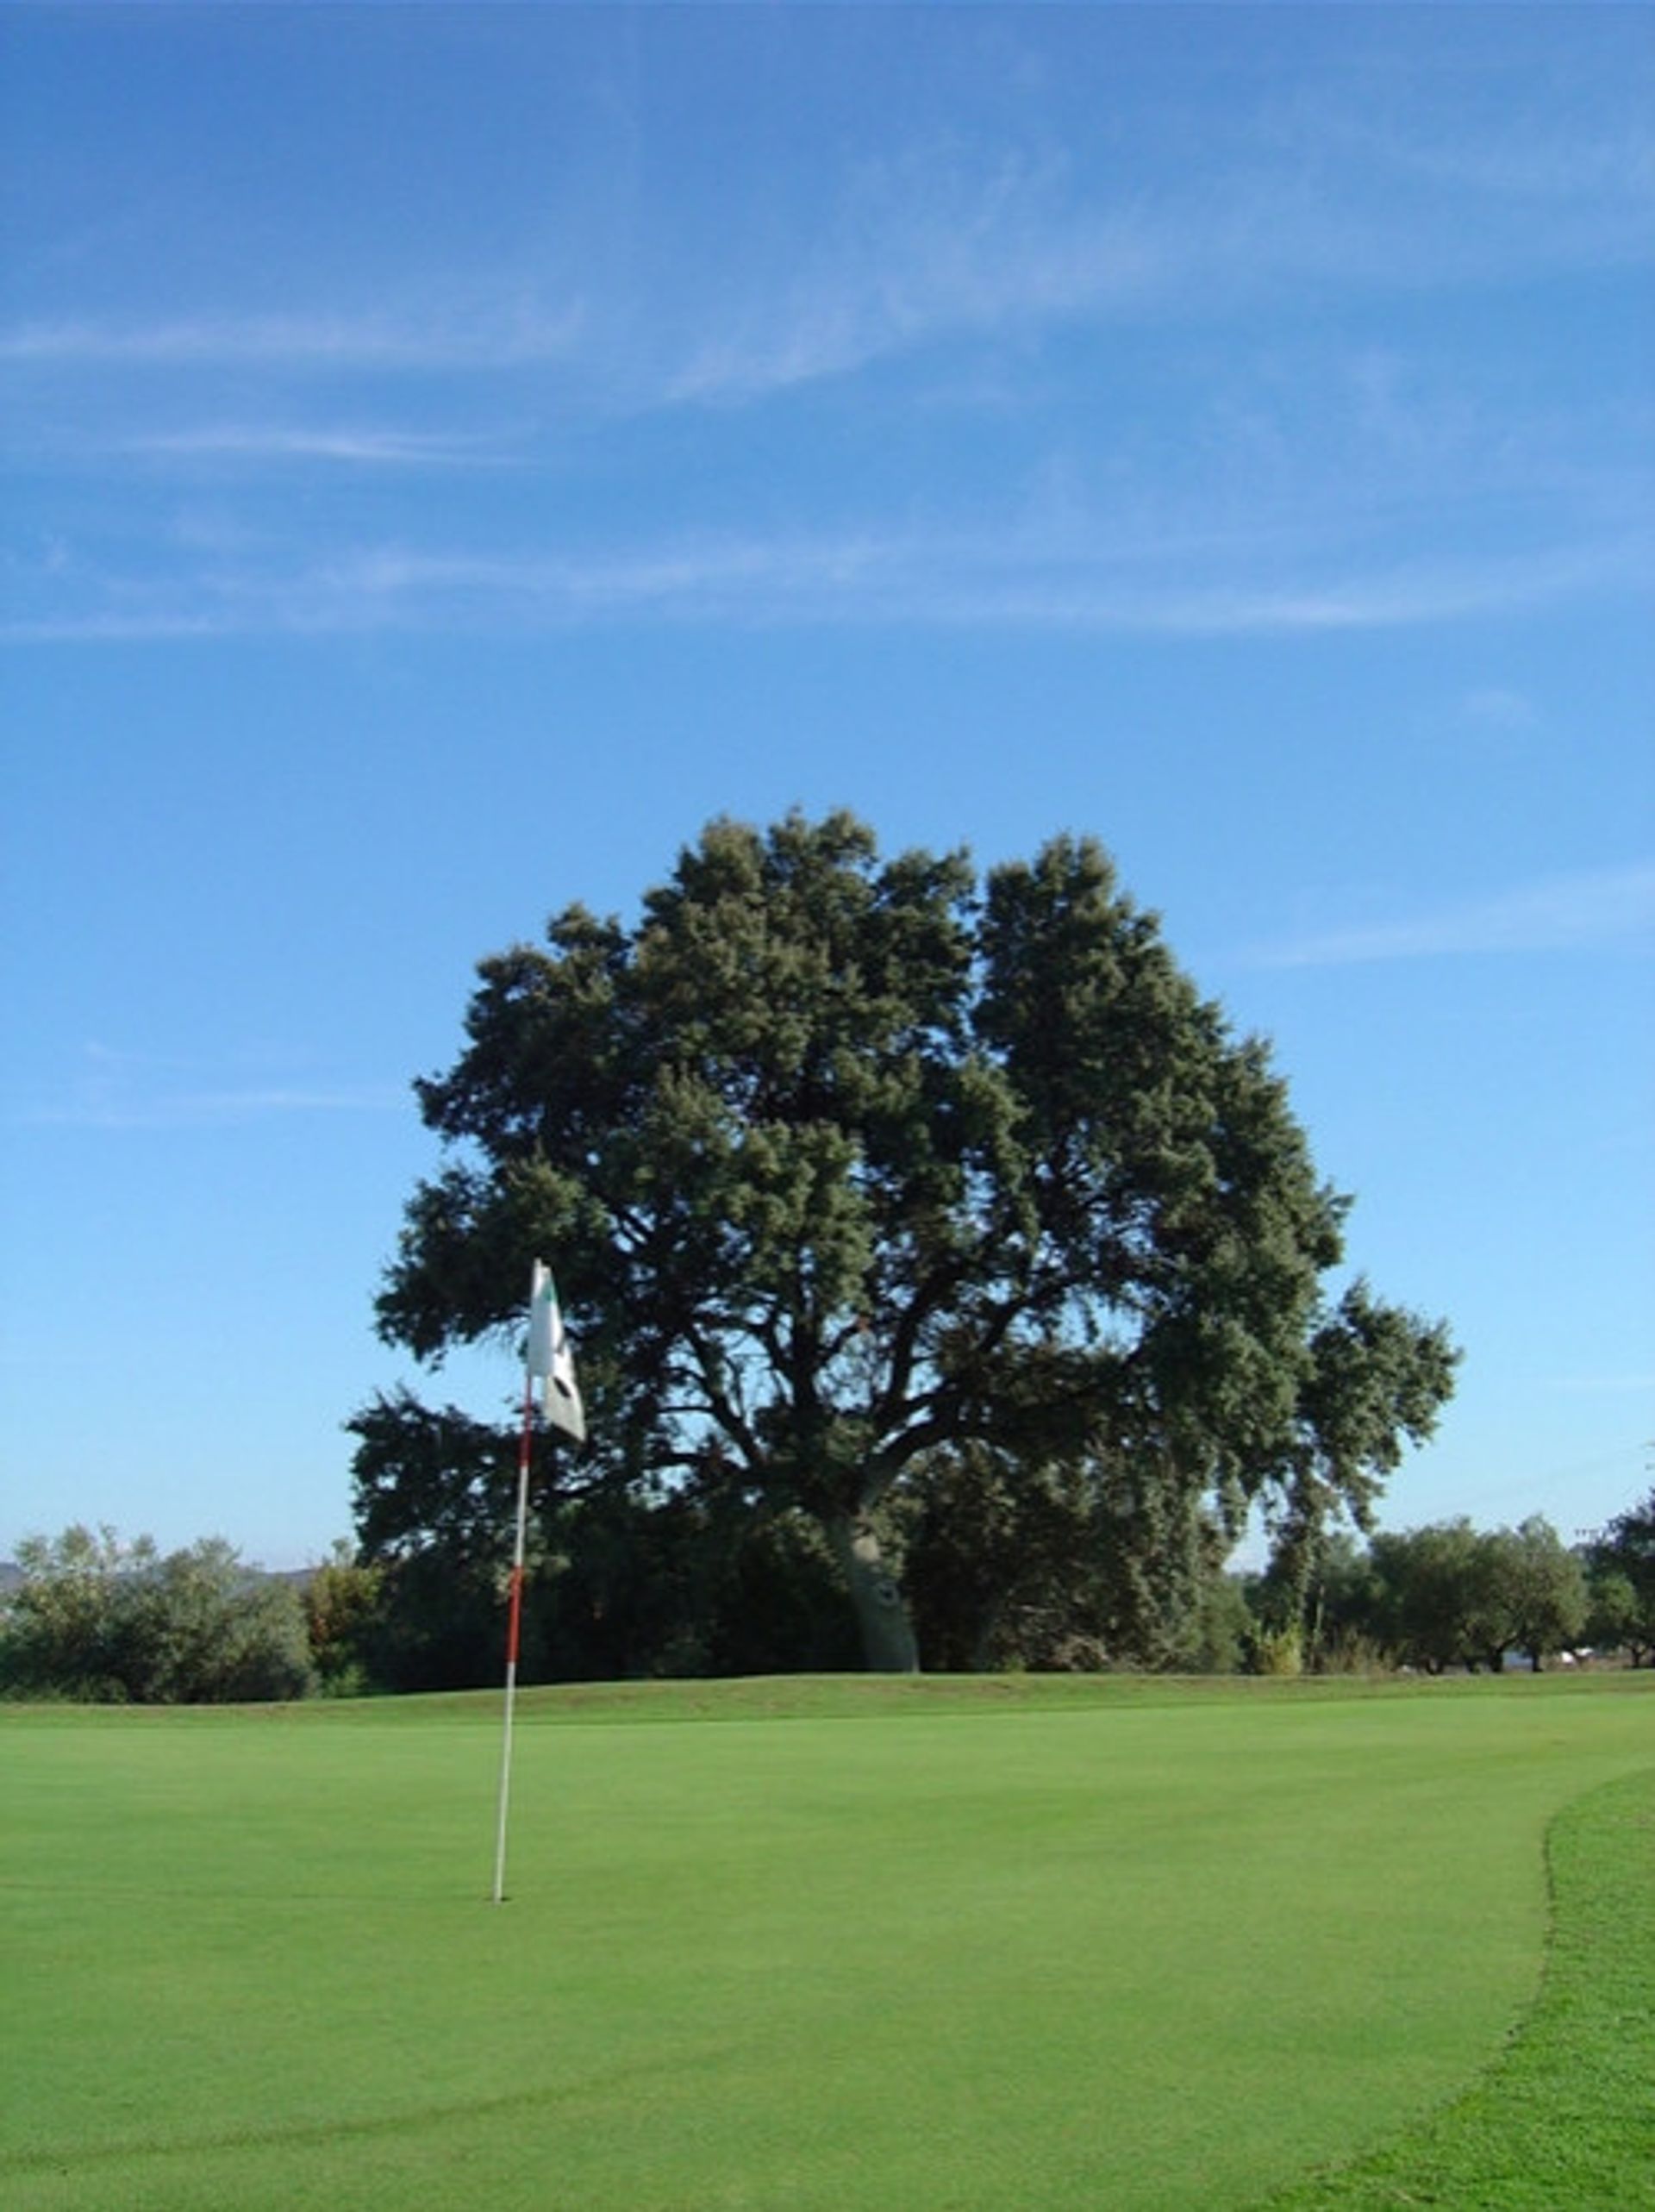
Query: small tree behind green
101, 1620
1614, 1616
1436, 1603
66, 1628
341, 1599
1621, 1567
1451, 1595
1540, 1587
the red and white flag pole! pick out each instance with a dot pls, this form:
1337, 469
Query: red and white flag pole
514, 1630
549, 1362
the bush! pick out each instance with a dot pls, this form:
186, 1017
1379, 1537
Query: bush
105, 1623
1275, 1651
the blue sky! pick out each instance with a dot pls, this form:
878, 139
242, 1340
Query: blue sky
452, 453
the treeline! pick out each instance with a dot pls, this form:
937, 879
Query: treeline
1451, 1595
622, 1589
1047, 1576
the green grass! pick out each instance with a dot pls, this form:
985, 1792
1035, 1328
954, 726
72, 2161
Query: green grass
1566, 2118
1028, 1943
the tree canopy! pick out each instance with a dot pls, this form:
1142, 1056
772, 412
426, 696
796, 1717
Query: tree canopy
1622, 1565
849, 1166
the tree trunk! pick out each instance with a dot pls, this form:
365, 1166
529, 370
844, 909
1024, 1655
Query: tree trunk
888, 1642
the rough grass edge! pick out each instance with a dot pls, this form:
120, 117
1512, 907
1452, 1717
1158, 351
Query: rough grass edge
1566, 2116
847, 1696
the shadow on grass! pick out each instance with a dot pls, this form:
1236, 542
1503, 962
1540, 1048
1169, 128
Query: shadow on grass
1565, 2120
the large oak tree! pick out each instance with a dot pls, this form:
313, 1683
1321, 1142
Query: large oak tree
843, 1162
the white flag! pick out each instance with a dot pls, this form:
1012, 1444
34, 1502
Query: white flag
550, 1362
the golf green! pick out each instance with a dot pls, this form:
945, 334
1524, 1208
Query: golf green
1022, 1944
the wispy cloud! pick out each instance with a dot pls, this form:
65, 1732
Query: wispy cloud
921, 248
1596, 909
455, 334
118, 1089
1086, 577
1147, 200
1495, 707
136, 626
944, 241
950, 240
207, 1109
362, 446
1546, 167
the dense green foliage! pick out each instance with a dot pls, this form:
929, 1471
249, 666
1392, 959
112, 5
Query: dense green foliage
1002, 1571
1447, 1595
1121, 1941
1622, 1567
95, 1619
621, 1583
890, 1202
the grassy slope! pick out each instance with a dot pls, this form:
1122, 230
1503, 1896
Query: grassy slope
1033, 1944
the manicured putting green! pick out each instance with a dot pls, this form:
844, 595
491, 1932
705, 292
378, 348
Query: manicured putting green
998, 1945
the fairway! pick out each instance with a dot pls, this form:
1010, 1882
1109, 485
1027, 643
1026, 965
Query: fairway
1091, 1944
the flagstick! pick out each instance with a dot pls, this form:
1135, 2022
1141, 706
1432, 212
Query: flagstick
514, 1630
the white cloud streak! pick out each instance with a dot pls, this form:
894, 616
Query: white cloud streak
934, 246
507, 334
208, 1109
1603, 908
920, 251
1088, 579
353, 446
940, 242
947, 239
117, 1088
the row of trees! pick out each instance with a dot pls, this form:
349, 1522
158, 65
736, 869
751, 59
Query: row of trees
1005, 1572
633, 1591
1454, 1596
